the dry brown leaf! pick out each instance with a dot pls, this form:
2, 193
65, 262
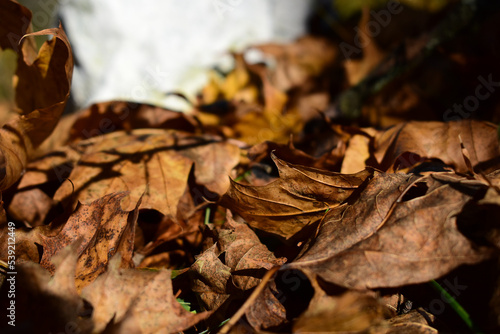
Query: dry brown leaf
239, 85
350, 312
410, 238
137, 301
267, 311
210, 279
415, 322
410, 143
244, 252
154, 162
26, 241
42, 89
245, 260
32, 199
47, 304
351, 222
356, 154
297, 63
106, 117
15, 22
103, 228
400, 102
289, 153
299, 197
247, 111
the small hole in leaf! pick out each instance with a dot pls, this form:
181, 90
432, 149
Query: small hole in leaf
417, 190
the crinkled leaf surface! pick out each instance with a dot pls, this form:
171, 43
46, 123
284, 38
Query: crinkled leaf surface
32, 200
300, 196
267, 310
352, 311
408, 239
244, 259
211, 277
244, 251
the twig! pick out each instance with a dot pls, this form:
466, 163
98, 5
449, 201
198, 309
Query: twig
234, 319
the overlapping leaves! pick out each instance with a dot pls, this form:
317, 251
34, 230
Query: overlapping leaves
354, 215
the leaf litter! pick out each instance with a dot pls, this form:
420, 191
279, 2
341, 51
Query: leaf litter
282, 202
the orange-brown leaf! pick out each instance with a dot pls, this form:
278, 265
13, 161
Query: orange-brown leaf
300, 196
103, 228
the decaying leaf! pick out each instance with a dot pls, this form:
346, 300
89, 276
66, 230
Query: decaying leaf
416, 321
32, 201
211, 278
106, 117
267, 311
357, 70
352, 311
26, 241
244, 252
358, 219
103, 228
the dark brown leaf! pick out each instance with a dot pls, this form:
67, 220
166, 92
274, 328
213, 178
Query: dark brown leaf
245, 258
42, 90
46, 304
411, 238
407, 144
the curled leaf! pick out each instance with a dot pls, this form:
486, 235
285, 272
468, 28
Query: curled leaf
42, 90
299, 197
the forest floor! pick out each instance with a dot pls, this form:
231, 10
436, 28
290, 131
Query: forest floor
352, 186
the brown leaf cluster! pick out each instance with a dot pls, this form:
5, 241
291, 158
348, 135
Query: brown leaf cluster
267, 208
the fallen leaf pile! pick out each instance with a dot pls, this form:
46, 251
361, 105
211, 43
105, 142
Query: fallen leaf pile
331, 191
